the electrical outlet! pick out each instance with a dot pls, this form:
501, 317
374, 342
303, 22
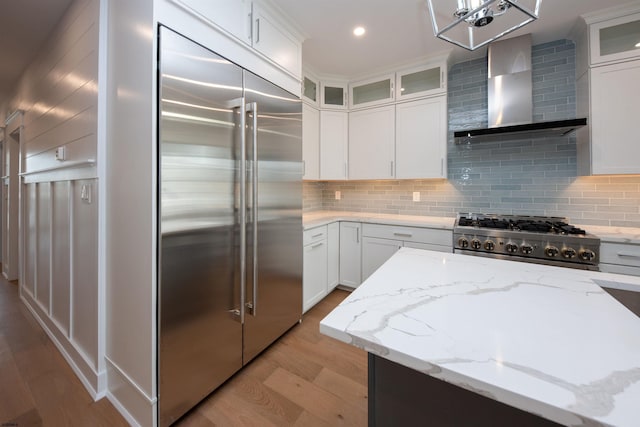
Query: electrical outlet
338, 195
416, 196
85, 193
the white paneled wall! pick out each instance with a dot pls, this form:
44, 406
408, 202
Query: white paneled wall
60, 211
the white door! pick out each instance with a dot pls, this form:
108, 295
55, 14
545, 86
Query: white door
310, 142
350, 254
376, 252
371, 143
615, 107
314, 278
334, 132
421, 139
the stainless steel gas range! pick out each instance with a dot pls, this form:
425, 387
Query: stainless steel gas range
536, 239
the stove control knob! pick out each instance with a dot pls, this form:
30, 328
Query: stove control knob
511, 247
489, 245
476, 244
463, 243
526, 249
587, 255
551, 251
569, 253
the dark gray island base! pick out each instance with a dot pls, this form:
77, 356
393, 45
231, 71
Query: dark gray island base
401, 396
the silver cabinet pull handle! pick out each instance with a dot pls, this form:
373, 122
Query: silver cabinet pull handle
317, 245
317, 235
403, 234
628, 254
258, 30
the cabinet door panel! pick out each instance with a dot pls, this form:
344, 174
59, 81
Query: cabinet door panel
314, 280
271, 39
371, 143
615, 149
231, 15
334, 131
350, 254
421, 139
310, 142
333, 255
376, 252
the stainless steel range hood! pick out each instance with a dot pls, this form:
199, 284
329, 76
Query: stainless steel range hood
510, 98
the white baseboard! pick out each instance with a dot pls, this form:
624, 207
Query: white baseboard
94, 382
129, 399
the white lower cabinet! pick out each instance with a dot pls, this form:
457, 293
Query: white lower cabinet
380, 242
350, 254
321, 257
314, 278
620, 258
376, 252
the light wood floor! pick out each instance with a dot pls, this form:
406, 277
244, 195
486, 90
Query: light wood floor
37, 386
304, 379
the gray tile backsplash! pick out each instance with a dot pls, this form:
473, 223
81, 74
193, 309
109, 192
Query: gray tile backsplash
535, 177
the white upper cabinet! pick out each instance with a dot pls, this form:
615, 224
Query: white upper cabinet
310, 142
271, 38
615, 148
334, 95
334, 134
615, 39
255, 24
421, 81
371, 143
421, 138
233, 16
376, 91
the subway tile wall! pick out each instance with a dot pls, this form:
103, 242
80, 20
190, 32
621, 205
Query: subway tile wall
534, 177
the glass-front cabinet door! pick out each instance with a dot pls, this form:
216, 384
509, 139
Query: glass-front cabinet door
615, 39
334, 95
421, 81
370, 92
310, 90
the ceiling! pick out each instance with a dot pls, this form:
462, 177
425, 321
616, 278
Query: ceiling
400, 31
24, 26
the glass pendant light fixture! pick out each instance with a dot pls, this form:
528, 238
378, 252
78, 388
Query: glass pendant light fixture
474, 23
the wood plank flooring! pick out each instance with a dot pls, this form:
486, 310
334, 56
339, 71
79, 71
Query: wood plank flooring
37, 386
304, 379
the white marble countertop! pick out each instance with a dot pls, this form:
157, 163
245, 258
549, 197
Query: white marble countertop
544, 339
318, 218
614, 234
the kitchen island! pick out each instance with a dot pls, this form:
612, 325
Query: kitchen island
544, 340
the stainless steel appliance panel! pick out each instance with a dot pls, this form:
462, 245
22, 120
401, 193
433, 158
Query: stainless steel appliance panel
200, 335
274, 232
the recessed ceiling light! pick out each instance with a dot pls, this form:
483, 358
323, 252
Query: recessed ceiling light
359, 31
638, 44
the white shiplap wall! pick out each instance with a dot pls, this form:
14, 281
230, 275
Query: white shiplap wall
60, 279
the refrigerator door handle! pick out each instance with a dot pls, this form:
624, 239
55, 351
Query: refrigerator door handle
243, 210
253, 304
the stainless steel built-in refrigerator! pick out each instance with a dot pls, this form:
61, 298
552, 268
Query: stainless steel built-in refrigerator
230, 220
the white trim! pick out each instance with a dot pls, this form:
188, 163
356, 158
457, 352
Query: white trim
65, 165
141, 392
101, 143
122, 409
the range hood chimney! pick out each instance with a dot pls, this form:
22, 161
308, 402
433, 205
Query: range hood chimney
510, 97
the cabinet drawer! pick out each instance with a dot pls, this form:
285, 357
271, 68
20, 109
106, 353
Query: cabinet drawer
314, 235
429, 247
620, 254
409, 234
619, 269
